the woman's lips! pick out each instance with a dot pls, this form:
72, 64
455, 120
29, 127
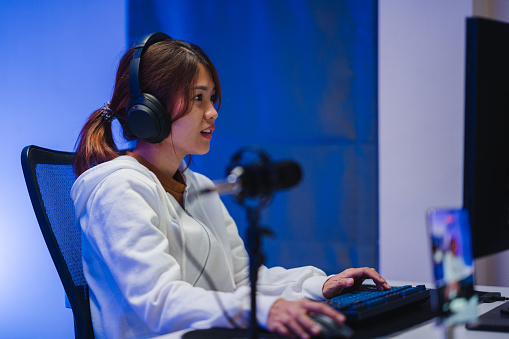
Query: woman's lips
207, 133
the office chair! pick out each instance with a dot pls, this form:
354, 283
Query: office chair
49, 177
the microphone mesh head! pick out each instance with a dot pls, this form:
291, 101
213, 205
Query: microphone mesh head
288, 174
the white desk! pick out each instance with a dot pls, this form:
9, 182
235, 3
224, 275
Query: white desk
431, 331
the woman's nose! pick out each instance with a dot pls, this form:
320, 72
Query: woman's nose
211, 113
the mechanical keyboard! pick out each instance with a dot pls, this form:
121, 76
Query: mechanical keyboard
368, 302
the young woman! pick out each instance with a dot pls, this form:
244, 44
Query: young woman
157, 261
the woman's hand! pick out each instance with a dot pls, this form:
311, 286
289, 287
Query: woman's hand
350, 280
291, 318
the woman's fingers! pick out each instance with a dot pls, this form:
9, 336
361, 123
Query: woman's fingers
291, 318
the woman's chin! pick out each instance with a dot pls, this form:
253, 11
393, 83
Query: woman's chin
201, 151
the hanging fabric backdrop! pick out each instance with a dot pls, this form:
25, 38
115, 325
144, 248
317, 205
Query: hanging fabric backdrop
299, 80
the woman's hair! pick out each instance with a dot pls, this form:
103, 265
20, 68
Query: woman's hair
168, 71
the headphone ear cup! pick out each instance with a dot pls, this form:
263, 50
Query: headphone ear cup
148, 119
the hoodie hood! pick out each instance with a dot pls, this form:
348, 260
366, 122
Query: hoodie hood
87, 182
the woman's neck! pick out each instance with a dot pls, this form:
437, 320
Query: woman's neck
159, 155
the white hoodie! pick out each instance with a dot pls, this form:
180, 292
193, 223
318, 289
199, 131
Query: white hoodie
154, 268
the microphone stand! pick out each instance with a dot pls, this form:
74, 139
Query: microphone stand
256, 259
256, 194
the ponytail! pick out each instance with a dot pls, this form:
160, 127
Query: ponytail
96, 144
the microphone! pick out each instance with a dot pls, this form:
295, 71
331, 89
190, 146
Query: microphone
258, 179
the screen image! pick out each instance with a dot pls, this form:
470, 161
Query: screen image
453, 266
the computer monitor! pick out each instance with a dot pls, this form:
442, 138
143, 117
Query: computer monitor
486, 157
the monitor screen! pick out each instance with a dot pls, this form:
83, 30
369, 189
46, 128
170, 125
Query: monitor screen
486, 157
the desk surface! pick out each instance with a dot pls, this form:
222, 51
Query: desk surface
430, 330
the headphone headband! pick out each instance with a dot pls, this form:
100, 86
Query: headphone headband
134, 66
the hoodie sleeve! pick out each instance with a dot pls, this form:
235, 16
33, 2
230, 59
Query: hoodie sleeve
291, 284
121, 223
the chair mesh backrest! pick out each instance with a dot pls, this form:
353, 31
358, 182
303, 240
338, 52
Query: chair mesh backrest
55, 182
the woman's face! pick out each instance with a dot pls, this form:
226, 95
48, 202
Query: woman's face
192, 133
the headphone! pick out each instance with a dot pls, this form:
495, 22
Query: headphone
146, 115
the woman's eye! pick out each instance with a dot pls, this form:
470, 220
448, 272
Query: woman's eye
198, 97
213, 98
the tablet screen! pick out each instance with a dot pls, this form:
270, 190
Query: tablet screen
453, 266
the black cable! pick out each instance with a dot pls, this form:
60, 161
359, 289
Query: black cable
490, 297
